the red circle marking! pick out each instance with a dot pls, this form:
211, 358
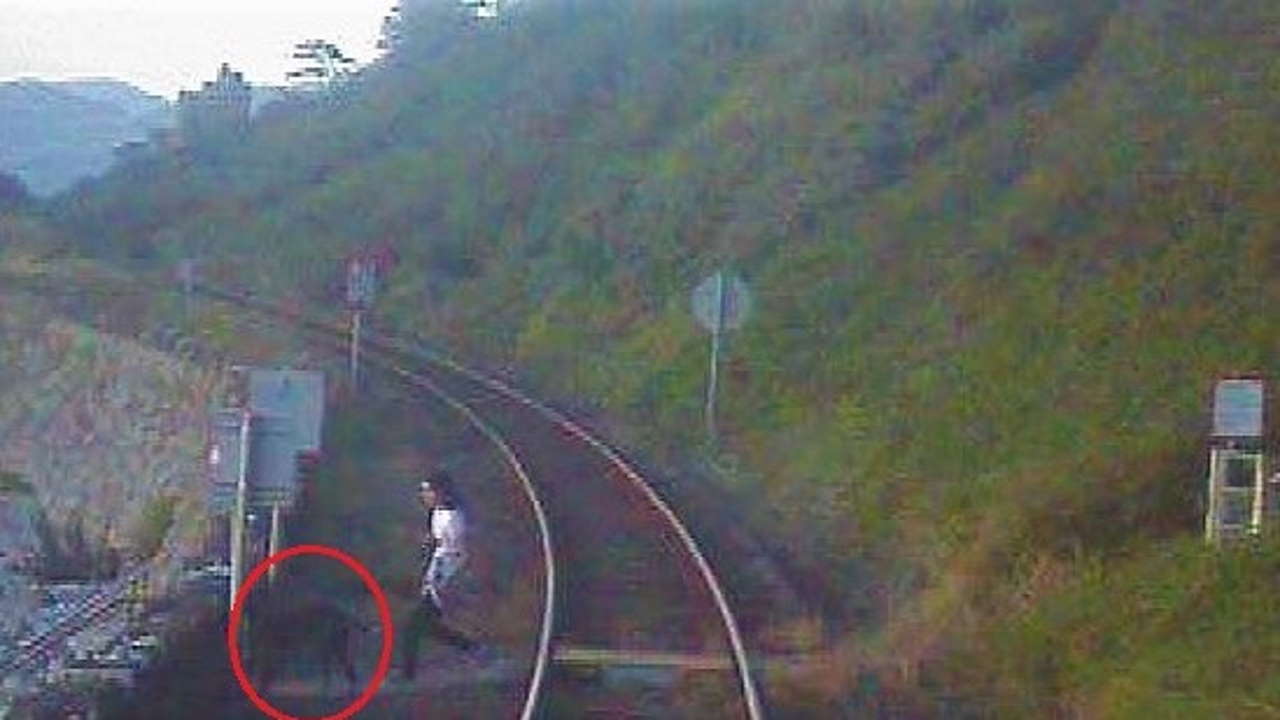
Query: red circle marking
384, 614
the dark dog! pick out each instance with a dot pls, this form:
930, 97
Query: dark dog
289, 631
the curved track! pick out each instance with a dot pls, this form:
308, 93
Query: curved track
636, 591
628, 587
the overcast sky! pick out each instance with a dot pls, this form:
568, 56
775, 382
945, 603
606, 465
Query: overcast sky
163, 46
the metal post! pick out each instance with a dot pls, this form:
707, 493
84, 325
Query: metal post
715, 359
355, 348
273, 546
1211, 515
238, 513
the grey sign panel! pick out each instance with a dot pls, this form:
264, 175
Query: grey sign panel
294, 394
1237, 408
360, 283
274, 450
724, 296
224, 459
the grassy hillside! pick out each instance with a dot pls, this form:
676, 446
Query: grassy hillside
1000, 250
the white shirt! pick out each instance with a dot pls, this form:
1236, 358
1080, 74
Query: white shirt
446, 535
446, 530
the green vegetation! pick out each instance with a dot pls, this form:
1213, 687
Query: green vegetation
11, 483
153, 525
72, 556
1001, 248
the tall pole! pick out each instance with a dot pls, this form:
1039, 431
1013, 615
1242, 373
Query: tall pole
355, 348
716, 329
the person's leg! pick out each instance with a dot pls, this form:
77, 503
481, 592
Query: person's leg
442, 631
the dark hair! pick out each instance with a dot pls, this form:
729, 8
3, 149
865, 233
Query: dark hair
442, 483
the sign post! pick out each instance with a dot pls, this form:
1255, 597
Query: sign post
1237, 492
360, 285
720, 303
275, 415
229, 491
238, 513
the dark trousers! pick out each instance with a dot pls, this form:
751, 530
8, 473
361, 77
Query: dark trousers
426, 619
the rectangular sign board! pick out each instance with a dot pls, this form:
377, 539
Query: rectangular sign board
297, 395
1237, 408
272, 474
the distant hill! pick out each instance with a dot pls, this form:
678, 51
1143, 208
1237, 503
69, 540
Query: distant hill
55, 133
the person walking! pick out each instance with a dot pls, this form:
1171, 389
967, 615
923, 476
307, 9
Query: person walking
443, 553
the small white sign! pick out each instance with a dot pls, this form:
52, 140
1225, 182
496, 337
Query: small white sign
1237, 408
723, 295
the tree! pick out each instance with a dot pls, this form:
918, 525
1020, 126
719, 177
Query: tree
392, 24
325, 63
13, 192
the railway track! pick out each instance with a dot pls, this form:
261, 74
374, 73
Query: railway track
35, 650
635, 622
628, 593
